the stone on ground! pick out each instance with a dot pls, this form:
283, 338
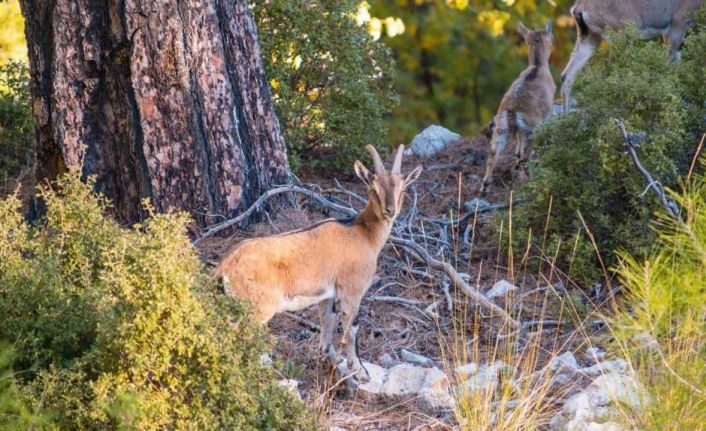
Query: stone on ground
431, 141
500, 289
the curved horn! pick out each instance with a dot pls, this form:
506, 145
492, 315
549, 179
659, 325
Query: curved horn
397, 166
377, 161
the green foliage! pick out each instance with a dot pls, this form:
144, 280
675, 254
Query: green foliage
332, 84
15, 119
15, 413
12, 37
122, 328
597, 191
664, 334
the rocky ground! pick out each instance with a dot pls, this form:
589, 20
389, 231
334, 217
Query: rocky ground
424, 344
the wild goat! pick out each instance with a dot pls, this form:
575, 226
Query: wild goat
332, 261
669, 18
526, 105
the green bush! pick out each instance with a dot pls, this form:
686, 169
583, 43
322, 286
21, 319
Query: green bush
15, 413
331, 83
664, 333
15, 119
122, 329
581, 160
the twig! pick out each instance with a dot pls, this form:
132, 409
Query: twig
393, 299
311, 325
268, 194
632, 141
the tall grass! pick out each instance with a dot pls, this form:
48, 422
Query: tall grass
514, 387
662, 331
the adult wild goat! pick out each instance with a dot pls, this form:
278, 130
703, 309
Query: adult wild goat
526, 105
669, 18
330, 262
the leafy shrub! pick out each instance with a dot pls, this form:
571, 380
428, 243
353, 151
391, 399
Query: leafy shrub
15, 119
331, 83
582, 164
121, 328
664, 333
15, 414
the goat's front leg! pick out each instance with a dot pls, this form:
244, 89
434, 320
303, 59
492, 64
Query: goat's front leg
675, 40
349, 308
327, 315
583, 51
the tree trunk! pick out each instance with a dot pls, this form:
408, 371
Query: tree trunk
164, 99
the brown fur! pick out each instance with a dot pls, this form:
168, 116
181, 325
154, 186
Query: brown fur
327, 263
526, 105
669, 18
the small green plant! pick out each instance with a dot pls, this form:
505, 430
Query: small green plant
663, 336
15, 119
15, 413
599, 200
120, 328
331, 82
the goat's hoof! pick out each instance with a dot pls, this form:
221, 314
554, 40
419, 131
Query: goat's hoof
362, 376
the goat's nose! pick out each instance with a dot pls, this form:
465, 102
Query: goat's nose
390, 211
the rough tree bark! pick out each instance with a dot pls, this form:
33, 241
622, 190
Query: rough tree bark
165, 99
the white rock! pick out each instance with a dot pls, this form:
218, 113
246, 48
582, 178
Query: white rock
386, 360
487, 376
558, 423
565, 361
469, 368
614, 366
607, 426
378, 376
646, 341
291, 385
265, 360
415, 358
501, 288
431, 141
592, 409
595, 353
435, 391
431, 384
405, 379
336, 429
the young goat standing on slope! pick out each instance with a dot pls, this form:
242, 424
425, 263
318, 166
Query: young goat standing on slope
331, 261
526, 105
669, 18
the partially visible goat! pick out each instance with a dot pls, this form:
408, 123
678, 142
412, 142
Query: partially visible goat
669, 18
332, 261
526, 105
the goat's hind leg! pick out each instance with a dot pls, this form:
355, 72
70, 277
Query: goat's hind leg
328, 318
349, 309
498, 142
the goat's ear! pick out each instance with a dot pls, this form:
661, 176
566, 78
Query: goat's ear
362, 172
549, 28
522, 29
413, 175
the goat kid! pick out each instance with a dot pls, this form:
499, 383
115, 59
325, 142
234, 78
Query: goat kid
668, 18
526, 105
330, 262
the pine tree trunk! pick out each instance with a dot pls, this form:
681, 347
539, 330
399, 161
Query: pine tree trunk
164, 99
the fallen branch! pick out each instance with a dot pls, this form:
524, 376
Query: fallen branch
632, 141
422, 255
